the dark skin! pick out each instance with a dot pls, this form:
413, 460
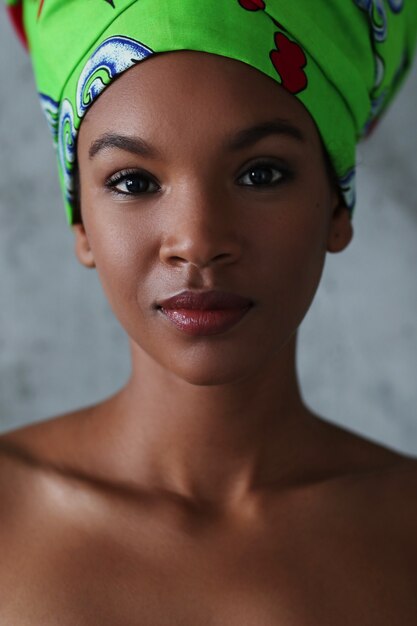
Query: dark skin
205, 492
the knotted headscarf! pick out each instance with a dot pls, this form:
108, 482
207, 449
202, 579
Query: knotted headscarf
343, 59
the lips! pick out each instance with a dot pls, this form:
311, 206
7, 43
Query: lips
204, 313
205, 300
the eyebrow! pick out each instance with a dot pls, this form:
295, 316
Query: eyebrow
135, 145
248, 136
238, 141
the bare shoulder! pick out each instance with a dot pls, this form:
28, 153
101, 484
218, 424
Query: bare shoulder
28, 454
356, 458
365, 485
48, 442
42, 481
379, 498
393, 490
397, 488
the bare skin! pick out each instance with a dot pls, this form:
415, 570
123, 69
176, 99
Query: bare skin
205, 492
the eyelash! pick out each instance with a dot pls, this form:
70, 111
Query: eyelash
285, 174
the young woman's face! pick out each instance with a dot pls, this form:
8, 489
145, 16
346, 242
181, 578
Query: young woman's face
200, 210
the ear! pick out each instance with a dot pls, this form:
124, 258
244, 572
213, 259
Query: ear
341, 229
82, 246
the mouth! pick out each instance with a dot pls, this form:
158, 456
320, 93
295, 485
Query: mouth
205, 321
204, 313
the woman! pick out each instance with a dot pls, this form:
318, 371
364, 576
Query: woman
207, 195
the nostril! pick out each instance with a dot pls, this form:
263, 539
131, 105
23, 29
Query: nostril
221, 256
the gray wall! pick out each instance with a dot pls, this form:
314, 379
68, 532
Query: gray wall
61, 348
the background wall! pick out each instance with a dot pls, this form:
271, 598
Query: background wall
61, 348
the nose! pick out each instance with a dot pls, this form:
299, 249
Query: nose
201, 230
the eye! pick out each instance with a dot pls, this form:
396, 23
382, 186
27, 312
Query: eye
265, 174
131, 183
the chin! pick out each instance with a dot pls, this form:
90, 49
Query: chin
206, 372
210, 380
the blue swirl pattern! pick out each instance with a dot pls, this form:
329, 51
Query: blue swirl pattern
348, 187
377, 11
67, 146
50, 109
112, 57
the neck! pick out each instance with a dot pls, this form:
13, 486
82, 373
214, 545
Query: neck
217, 443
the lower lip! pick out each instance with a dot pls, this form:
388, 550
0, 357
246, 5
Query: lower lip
204, 322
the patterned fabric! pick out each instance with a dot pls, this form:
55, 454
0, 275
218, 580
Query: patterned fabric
344, 59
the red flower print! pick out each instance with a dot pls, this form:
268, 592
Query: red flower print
252, 5
111, 2
16, 17
289, 60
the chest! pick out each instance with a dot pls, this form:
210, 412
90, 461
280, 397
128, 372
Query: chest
292, 579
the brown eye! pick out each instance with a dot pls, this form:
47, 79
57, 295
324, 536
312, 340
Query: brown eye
265, 174
131, 183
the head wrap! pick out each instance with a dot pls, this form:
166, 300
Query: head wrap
343, 59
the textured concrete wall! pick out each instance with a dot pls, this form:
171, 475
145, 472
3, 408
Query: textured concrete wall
61, 348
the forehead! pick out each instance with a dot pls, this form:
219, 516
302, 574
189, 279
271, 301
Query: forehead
184, 93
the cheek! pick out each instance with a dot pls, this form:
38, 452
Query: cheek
123, 257
292, 259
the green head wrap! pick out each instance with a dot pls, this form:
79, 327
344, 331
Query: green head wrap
343, 59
